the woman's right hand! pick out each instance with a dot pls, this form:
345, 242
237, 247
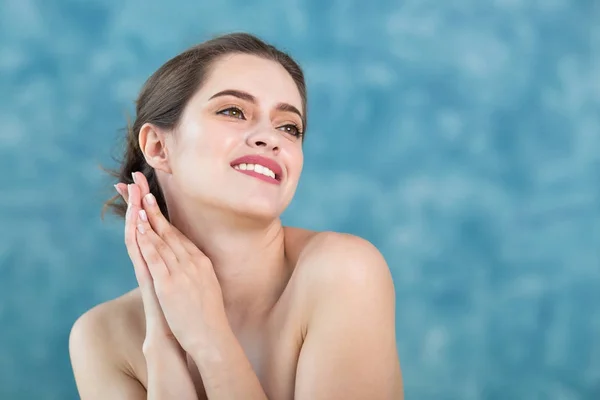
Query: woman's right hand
158, 333
169, 376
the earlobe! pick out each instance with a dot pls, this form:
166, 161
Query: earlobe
153, 145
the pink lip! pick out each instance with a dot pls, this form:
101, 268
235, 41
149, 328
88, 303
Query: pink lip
264, 161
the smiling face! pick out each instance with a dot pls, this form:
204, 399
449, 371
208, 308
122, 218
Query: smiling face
247, 107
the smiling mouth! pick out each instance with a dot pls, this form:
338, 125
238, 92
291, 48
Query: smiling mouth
258, 171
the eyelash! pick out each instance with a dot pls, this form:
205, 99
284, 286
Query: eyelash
297, 134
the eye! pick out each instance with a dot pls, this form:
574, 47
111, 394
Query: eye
292, 130
234, 112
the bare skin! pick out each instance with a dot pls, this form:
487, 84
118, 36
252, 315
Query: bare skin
295, 313
272, 344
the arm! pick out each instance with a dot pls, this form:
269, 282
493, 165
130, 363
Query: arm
101, 371
349, 351
179, 278
95, 359
168, 376
226, 371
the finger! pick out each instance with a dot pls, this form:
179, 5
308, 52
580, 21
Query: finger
122, 190
152, 216
135, 196
166, 230
158, 222
140, 180
159, 257
152, 309
155, 216
141, 270
137, 226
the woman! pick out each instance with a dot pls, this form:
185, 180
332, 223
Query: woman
231, 304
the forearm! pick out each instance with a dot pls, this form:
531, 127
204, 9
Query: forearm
168, 376
226, 371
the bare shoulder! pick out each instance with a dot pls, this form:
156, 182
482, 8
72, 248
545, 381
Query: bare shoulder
332, 262
110, 335
350, 315
345, 258
115, 323
114, 318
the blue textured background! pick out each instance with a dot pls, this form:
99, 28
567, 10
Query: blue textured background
461, 137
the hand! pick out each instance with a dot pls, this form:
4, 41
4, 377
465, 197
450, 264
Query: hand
158, 333
184, 280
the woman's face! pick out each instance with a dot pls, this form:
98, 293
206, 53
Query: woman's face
248, 106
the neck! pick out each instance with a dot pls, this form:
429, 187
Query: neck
248, 257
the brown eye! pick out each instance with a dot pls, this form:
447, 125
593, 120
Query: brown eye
291, 129
232, 112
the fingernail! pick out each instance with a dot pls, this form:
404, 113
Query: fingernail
143, 216
141, 228
133, 176
149, 199
118, 190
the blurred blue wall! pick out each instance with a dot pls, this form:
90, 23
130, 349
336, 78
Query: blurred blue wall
461, 137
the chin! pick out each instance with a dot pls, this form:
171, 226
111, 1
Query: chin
257, 210
260, 205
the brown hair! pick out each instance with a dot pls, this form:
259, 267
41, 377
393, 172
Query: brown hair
165, 94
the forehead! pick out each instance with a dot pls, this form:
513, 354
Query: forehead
267, 80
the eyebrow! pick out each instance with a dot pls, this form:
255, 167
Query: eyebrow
248, 97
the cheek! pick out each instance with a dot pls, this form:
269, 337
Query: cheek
296, 158
203, 156
215, 138
203, 141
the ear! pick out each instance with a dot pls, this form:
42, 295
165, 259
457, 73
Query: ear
154, 146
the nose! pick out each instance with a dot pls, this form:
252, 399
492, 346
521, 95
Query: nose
265, 137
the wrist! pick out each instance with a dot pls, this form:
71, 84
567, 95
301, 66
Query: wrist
205, 336
213, 346
156, 348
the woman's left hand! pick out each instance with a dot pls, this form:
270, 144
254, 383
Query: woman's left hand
184, 279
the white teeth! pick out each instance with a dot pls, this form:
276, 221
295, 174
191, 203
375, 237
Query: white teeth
261, 169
